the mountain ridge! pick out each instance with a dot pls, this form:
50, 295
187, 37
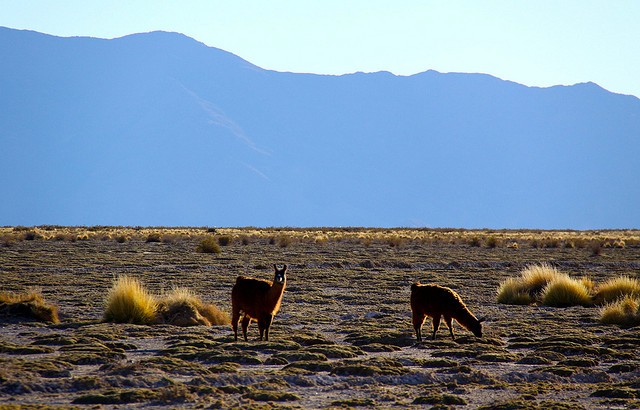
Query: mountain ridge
160, 129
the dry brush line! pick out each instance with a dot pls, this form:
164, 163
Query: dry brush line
129, 302
546, 285
619, 297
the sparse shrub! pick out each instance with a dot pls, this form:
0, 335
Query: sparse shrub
28, 305
395, 241
564, 291
491, 242
31, 236
7, 240
169, 239
284, 241
617, 288
596, 248
245, 240
129, 302
475, 242
208, 245
224, 240
623, 312
154, 237
121, 238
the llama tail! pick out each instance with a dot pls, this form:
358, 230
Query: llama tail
415, 285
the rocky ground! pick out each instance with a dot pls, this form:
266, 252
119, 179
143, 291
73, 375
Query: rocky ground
343, 337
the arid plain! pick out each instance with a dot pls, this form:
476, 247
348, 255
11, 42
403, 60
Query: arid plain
343, 336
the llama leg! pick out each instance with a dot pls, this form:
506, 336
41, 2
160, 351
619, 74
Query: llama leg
267, 324
449, 323
235, 317
261, 327
418, 321
436, 325
245, 324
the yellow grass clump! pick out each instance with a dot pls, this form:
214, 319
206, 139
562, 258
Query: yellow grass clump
181, 307
544, 284
565, 291
536, 277
513, 292
528, 287
129, 302
28, 305
623, 312
617, 288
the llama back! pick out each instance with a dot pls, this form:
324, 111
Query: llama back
249, 294
435, 299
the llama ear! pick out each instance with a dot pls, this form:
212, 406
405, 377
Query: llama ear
482, 319
284, 267
275, 266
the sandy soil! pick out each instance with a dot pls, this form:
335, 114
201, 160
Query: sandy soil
343, 337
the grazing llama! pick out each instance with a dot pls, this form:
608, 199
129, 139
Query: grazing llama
437, 301
257, 299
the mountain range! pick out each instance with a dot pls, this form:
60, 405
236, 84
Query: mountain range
160, 129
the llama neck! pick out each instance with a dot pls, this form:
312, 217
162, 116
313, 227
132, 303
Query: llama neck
274, 296
466, 318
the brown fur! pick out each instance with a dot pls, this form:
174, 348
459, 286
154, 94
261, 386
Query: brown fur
436, 302
258, 300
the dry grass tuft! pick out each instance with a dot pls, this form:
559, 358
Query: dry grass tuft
208, 245
543, 283
529, 286
536, 277
129, 302
617, 288
181, 307
28, 305
565, 291
513, 292
623, 312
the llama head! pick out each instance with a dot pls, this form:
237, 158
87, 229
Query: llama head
476, 328
280, 273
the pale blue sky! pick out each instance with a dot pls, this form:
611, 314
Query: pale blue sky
538, 43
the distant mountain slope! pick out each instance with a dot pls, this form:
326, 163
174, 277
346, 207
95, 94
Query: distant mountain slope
159, 129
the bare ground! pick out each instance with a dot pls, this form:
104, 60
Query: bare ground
343, 337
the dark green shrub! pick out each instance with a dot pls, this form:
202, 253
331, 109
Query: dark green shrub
224, 240
284, 241
208, 245
492, 242
154, 237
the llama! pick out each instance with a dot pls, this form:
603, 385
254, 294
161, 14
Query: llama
438, 301
257, 299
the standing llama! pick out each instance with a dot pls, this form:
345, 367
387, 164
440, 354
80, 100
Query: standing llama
437, 301
257, 299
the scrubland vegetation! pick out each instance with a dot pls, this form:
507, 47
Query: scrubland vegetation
561, 331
